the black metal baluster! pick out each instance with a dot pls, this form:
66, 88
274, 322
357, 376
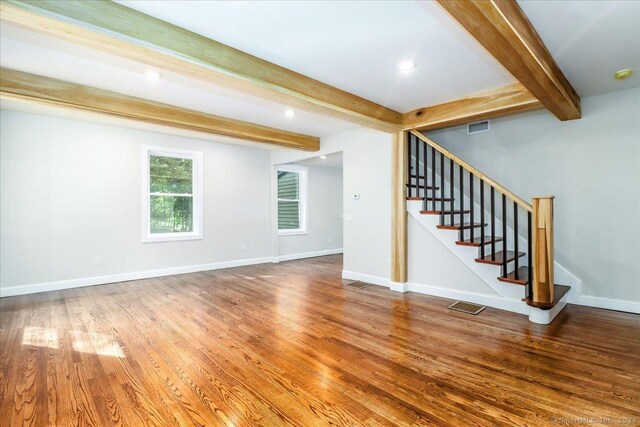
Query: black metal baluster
482, 218
504, 235
424, 171
409, 161
451, 179
529, 256
471, 206
461, 216
433, 178
417, 167
515, 237
441, 191
493, 224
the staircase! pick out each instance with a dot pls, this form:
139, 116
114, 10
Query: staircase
486, 225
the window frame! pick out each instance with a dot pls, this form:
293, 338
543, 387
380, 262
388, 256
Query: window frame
302, 199
196, 194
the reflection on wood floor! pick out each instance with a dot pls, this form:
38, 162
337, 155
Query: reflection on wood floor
290, 344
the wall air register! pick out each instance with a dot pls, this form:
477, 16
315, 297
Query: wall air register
478, 127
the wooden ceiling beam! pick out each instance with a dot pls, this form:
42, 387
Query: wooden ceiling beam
504, 30
123, 31
495, 103
30, 87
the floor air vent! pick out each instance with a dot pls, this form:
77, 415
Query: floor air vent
466, 307
356, 284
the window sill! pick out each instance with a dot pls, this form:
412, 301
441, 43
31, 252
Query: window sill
171, 237
292, 232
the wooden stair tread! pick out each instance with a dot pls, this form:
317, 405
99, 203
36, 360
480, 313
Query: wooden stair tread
559, 291
465, 226
415, 198
523, 276
476, 241
429, 187
499, 257
443, 212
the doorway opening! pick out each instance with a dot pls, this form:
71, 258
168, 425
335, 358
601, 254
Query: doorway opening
310, 207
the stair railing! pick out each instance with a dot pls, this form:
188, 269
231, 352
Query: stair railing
537, 276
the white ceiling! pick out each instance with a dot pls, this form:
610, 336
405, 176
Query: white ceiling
333, 160
352, 45
37, 53
590, 40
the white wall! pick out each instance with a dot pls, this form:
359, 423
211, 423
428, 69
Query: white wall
432, 264
324, 215
591, 165
366, 157
70, 191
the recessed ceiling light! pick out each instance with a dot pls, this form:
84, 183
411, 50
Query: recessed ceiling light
623, 74
406, 65
289, 113
152, 75
323, 157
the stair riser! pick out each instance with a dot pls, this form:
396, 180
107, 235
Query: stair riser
511, 258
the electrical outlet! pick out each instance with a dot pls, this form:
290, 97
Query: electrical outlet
348, 218
243, 246
98, 260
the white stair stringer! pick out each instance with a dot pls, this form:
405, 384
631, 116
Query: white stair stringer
488, 273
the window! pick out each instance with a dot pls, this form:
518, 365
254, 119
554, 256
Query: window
171, 194
292, 200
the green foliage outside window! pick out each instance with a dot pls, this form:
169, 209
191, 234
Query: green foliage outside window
171, 187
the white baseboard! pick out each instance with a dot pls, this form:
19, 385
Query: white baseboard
399, 287
513, 305
123, 277
516, 306
544, 317
309, 254
610, 304
375, 280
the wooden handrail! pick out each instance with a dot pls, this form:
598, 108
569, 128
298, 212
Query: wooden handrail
526, 206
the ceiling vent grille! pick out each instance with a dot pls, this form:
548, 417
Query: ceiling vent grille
478, 127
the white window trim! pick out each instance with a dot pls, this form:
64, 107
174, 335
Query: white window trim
198, 207
302, 198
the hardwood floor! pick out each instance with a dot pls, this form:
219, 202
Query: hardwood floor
289, 344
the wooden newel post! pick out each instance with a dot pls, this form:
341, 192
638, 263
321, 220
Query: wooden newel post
543, 250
